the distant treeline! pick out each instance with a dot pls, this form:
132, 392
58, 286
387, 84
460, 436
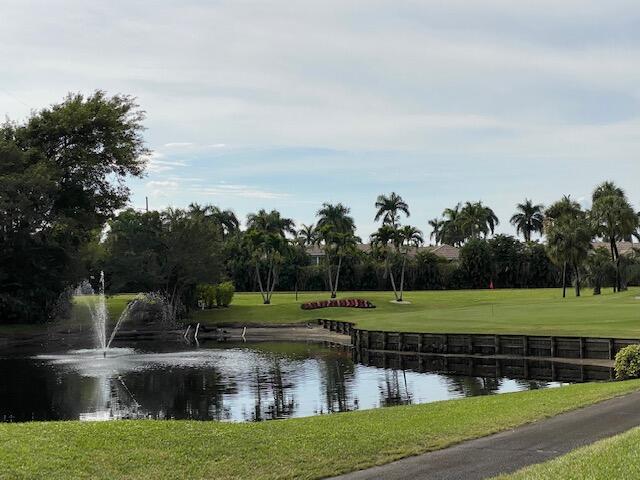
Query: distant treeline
62, 194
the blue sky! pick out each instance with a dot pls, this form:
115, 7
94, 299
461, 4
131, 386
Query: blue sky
286, 104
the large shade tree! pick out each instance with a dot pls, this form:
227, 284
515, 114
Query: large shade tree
62, 175
171, 251
528, 219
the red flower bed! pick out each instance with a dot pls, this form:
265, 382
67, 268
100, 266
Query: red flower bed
348, 302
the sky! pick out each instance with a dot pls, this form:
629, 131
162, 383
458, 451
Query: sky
289, 104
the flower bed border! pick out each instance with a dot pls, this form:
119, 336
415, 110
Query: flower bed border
347, 303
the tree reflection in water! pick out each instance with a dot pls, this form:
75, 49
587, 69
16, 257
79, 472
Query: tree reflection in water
270, 393
394, 390
335, 371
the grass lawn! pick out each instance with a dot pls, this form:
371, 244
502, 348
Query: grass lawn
536, 312
615, 457
308, 448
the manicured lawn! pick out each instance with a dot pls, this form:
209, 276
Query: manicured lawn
615, 457
536, 312
308, 448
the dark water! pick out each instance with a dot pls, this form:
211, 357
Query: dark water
245, 382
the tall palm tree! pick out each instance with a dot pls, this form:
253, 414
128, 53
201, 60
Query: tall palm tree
266, 232
614, 220
336, 231
389, 208
529, 218
384, 238
409, 237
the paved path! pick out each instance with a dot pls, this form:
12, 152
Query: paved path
511, 450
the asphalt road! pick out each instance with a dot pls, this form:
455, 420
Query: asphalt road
511, 450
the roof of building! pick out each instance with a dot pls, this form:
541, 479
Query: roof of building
447, 252
624, 248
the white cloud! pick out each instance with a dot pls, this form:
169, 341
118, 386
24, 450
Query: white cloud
244, 191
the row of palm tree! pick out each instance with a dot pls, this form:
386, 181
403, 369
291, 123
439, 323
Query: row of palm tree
570, 231
568, 228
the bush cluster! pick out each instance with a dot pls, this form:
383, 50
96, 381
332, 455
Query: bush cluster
627, 363
349, 302
218, 295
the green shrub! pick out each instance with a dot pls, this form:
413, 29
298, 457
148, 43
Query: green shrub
207, 294
628, 362
224, 294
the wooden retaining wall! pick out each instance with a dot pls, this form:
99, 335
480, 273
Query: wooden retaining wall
484, 367
474, 344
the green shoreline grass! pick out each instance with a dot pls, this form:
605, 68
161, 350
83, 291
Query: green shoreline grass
615, 457
306, 448
533, 312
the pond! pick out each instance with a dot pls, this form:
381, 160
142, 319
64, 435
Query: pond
222, 381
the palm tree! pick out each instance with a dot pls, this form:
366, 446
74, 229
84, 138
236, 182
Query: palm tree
568, 243
450, 231
614, 220
336, 231
409, 237
528, 219
385, 237
308, 235
599, 269
565, 206
477, 219
436, 225
225, 219
390, 207
266, 232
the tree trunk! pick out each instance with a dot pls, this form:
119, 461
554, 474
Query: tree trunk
619, 282
264, 298
575, 266
564, 280
334, 293
616, 261
274, 276
393, 280
330, 275
404, 263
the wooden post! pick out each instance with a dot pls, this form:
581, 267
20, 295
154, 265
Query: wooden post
553, 346
400, 340
497, 347
525, 345
612, 349
420, 336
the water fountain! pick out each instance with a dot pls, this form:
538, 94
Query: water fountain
100, 317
